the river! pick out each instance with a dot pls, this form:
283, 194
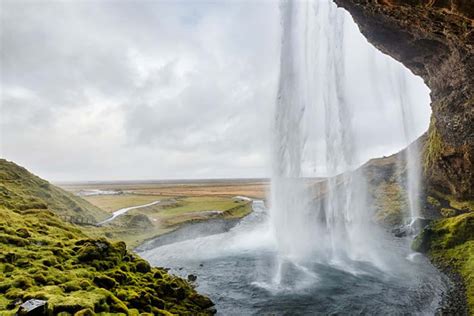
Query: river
125, 210
237, 270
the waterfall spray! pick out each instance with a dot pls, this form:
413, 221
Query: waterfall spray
327, 220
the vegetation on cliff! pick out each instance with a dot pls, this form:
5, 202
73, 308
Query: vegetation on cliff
46, 258
386, 177
450, 244
434, 40
21, 190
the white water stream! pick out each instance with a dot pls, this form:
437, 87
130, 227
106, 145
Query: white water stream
331, 257
317, 122
125, 210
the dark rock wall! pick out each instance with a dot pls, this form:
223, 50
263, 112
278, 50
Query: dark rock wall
434, 39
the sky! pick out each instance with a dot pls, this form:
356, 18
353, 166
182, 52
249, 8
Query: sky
128, 90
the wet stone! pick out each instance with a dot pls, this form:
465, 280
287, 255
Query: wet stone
33, 307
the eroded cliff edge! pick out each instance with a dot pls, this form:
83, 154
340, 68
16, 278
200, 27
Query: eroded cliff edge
434, 39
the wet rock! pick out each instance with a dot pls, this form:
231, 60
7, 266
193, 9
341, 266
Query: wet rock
422, 242
400, 232
192, 278
201, 301
419, 224
33, 307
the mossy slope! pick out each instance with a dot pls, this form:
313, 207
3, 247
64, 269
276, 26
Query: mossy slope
44, 257
387, 192
21, 190
450, 244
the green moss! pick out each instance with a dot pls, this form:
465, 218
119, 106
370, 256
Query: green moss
461, 205
20, 190
44, 257
461, 259
433, 147
432, 201
448, 212
467, 205
390, 203
450, 244
239, 211
77, 274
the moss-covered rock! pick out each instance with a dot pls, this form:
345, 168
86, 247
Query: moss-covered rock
80, 275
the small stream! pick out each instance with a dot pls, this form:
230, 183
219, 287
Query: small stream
125, 210
237, 270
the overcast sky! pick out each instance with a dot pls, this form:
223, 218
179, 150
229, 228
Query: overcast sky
110, 90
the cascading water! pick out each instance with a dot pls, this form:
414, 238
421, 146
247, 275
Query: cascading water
331, 256
316, 135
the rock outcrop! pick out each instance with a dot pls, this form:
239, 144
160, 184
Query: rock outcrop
434, 39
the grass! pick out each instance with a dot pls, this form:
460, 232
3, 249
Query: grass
141, 224
391, 204
199, 204
460, 205
226, 188
111, 203
21, 190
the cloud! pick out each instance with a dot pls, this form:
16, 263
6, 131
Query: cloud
96, 90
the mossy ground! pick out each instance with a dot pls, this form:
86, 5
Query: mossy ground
21, 190
450, 244
43, 257
391, 204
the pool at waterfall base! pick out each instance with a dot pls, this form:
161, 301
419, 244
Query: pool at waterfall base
239, 271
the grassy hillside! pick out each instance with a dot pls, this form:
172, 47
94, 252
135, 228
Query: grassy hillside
43, 257
387, 192
449, 242
21, 190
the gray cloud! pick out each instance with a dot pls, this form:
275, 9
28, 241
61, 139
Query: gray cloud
142, 89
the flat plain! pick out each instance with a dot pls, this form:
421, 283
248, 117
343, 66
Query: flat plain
177, 203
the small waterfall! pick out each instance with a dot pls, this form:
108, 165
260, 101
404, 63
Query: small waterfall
319, 203
411, 155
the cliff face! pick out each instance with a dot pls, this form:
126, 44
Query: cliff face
435, 40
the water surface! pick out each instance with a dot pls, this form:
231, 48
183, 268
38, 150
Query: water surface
239, 271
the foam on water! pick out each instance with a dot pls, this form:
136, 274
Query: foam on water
317, 134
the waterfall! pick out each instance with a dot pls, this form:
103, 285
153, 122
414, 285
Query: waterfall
319, 204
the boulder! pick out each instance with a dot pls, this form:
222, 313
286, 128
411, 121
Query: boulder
33, 307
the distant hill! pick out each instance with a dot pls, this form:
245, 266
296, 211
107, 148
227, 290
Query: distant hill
22, 190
